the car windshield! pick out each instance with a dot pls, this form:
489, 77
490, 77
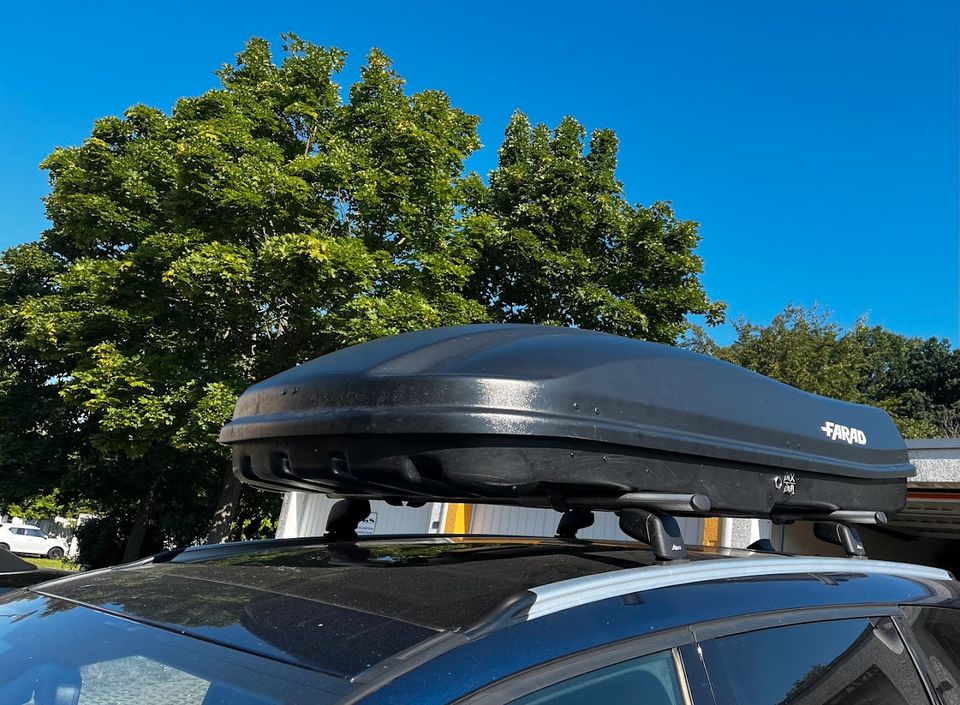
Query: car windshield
124, 661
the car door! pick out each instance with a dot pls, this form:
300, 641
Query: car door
860, 660
43, 541
34, 540
18, 541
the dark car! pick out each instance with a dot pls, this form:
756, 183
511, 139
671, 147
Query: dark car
483, 620
531, 417
16, 573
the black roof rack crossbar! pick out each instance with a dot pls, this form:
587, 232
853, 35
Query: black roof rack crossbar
846, 516
671, 502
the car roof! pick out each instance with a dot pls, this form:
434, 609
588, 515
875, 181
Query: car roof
373, 599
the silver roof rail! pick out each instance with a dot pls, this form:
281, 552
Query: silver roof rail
565, 594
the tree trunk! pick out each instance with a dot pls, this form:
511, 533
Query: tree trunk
226, 508
134, 544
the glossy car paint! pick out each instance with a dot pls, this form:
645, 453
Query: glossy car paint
496, 656
40, 634
459, 662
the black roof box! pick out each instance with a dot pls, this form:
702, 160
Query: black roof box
544, 416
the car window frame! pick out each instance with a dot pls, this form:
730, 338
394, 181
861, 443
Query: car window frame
531, 680
915, 649
710, 631
685, 642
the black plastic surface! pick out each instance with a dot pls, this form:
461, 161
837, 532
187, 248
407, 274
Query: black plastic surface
534, 415
572, 521
344, 518
842, 535
12, 563
659, 531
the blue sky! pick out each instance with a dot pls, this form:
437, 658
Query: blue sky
816, 142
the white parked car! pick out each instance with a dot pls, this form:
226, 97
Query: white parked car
30, 540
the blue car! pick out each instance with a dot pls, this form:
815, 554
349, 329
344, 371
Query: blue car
483, 620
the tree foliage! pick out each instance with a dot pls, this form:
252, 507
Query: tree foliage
36, 431
272, 220
917, 380
558, 242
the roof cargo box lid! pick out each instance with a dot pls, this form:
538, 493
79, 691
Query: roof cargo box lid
509, 412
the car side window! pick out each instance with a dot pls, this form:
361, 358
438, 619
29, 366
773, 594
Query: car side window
35, 532
842, 662
937, 630
650, 680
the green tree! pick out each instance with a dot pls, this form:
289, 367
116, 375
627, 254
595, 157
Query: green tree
270, 221
36, 431
557, 241
190, 255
